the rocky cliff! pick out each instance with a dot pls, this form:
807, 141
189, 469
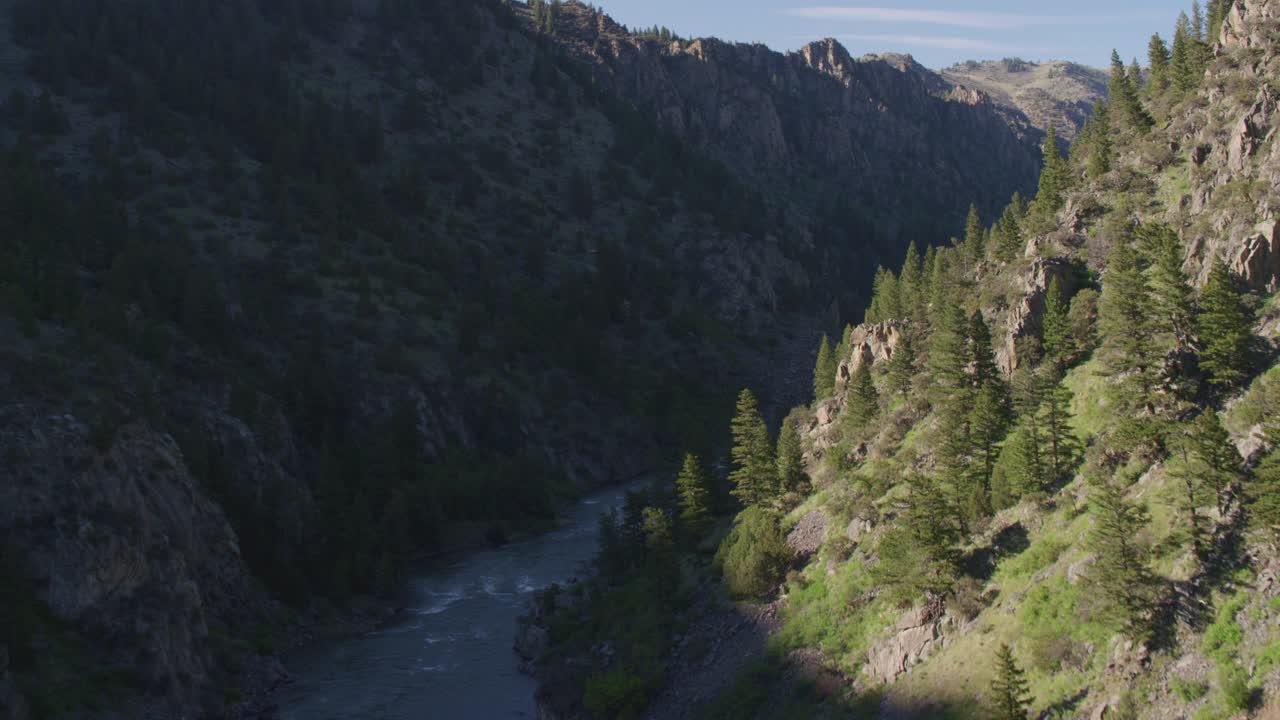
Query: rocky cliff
1221, 161
808, 121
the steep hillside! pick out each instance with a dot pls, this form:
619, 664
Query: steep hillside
798, 124
1041, 479
1056, 92
295, 293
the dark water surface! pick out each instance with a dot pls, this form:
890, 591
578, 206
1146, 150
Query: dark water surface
450, 656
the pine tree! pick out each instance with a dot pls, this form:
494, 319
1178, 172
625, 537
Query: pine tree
754, 475
1008, 235
1194, 492
1009, 689
982, 358
1062, 448
1128, 348
918, 555
949, 354
1224, 329
1054, 177
1120, 573
844, 349
911, 282
1170, 291
824, 372
1056, 340
791, 476
1187, 60
972, 248
1217, 460
1264, 491
1158, 63
693, 496
988, 423
863, 404
1218, 10
886, 302
902, 366
1123, 94
1197, 21
1099, 141
952, 393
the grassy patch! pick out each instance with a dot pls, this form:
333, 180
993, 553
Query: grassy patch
1223, 638
826, 613
1189, 690
1090, 414
1043, 552
1059, 627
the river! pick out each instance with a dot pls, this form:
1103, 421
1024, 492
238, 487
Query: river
450, 656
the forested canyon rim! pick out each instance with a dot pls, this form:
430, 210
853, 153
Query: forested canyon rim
296, 293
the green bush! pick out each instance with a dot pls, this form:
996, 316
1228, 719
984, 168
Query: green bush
1224, 636
615, 694
1189, 690
754, 555
1233, 681
1057, 622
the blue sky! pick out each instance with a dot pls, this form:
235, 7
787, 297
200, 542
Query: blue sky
938, 33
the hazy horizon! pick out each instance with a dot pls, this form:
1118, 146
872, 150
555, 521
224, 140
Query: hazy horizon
936, 33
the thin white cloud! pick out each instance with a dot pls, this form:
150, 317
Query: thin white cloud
935, 41
949, 18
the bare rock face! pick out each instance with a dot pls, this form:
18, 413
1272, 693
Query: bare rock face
1245, 25
1027, 316
808, 534
1250, 131
919, 633
819, 110
1256, 259
125, 546
1235, 192
868, 344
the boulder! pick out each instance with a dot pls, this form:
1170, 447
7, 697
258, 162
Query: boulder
858, 529
532, 641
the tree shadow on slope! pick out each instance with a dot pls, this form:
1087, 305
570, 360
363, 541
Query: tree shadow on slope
1188, 603
980, 563
790, 688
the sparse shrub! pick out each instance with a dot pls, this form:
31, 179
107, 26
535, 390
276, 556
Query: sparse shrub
1189, 690
967, 599
1233, 682
614, 694
1224, 636
840, 548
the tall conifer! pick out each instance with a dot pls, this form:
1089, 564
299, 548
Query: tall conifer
1224, 328
754, 475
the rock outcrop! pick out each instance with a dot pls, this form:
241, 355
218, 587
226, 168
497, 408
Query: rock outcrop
918, 634
126, 547
868, 343
1026, 317
1232, 205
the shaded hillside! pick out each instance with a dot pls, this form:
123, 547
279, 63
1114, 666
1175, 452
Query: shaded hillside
800, 124
297, 292
1055, 92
